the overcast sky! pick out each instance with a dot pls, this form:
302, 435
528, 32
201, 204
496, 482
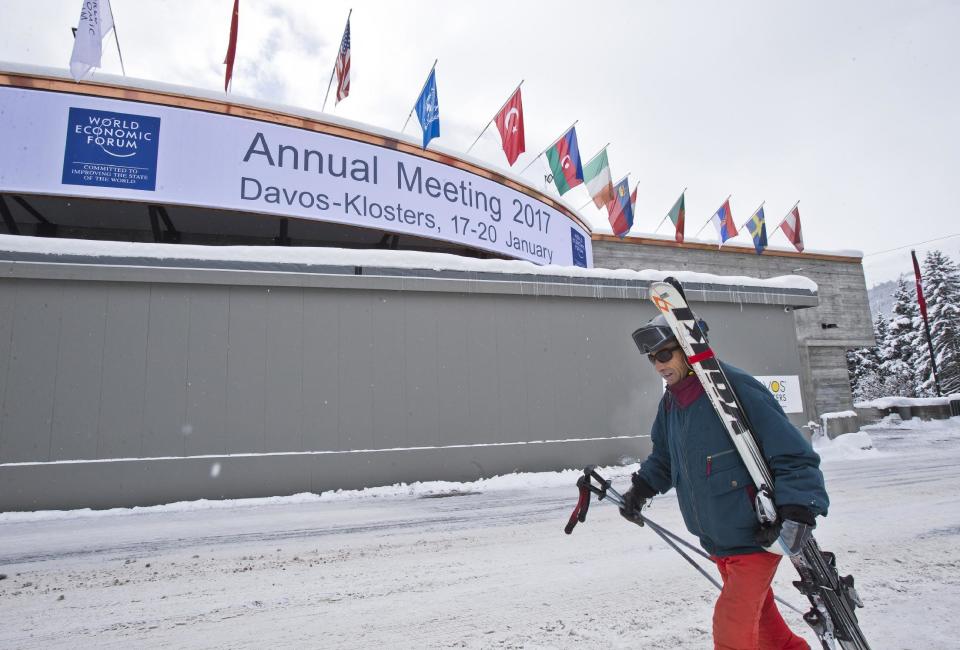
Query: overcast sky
849, 107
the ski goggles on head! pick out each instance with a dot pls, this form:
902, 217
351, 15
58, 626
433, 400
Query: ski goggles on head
653, 337
663, 355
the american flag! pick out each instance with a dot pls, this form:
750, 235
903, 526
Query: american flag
343, 65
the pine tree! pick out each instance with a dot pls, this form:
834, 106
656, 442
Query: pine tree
899, 350
941, 289
866, 380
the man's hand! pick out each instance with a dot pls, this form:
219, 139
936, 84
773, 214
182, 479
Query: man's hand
632, 504
792, 529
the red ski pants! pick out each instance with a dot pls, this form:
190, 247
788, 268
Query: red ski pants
746, 616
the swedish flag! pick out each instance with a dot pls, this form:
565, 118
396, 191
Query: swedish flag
758, 230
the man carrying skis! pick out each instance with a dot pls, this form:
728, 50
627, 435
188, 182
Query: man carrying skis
693, 453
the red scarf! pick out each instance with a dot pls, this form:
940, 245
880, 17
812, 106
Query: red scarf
686, 391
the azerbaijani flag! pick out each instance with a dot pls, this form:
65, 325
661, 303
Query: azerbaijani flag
564, 160
723, 222
596, 173
620, 210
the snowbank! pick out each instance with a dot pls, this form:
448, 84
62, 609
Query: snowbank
846, 447
894, 402
424, 489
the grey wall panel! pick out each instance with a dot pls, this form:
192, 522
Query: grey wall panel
540, 323
321, 378
164, 411
246, 370
453, 401
31, 379
420, 367
8, 294
124, 371
284, 369
389, 408
206, 389
356, 371
76, 399
482, 418
511, 403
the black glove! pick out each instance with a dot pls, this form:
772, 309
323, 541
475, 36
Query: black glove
635, 498
794, 525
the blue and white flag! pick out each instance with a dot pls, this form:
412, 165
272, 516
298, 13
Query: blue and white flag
428, 109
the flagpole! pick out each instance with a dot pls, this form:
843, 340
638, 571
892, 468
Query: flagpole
751, 216
604, 148
548, 146
117, 40
418, 95
668, 213
337, 58
509, 97
711, 216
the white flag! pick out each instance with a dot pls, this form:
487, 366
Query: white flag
96, 21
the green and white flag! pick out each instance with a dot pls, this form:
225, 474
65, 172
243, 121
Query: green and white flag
596, 173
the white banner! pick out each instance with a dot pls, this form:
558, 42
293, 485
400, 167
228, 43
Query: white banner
786, 390
57, 143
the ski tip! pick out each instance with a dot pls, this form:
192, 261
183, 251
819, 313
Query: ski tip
675, 283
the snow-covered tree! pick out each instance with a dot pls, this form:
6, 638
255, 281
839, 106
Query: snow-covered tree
941, 290
867, 382
900, 349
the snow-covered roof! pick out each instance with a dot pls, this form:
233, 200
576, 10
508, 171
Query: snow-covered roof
370, 258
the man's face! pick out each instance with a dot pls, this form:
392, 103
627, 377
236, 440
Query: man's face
673, 369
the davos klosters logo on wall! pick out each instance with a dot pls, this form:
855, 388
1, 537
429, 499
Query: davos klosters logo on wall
111, 149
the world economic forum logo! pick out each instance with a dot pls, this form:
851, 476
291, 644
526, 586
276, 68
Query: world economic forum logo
108, 149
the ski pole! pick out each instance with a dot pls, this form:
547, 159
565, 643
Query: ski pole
606, 491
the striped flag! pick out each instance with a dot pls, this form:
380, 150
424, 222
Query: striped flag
791, 228
343, 65
678, 215
564, 160
596, 174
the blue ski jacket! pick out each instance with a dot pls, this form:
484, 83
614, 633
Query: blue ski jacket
693, 453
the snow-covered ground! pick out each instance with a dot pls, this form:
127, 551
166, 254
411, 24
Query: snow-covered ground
482, 565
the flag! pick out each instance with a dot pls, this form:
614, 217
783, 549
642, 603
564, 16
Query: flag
791, 228
564, 160
96, 21
232, 45
677, 215
633, 202
620, 210
510, 124
596, 174
758, 230
343, 64
919, 279
428, 109
723, 222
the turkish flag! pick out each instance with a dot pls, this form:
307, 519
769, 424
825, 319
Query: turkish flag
510, 124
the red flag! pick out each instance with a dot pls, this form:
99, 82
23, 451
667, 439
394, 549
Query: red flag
920, 300
232, 46
510, 124
791, 228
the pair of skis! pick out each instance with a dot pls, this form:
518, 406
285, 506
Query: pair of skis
833, 599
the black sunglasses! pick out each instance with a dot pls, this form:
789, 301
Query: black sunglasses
662, 356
